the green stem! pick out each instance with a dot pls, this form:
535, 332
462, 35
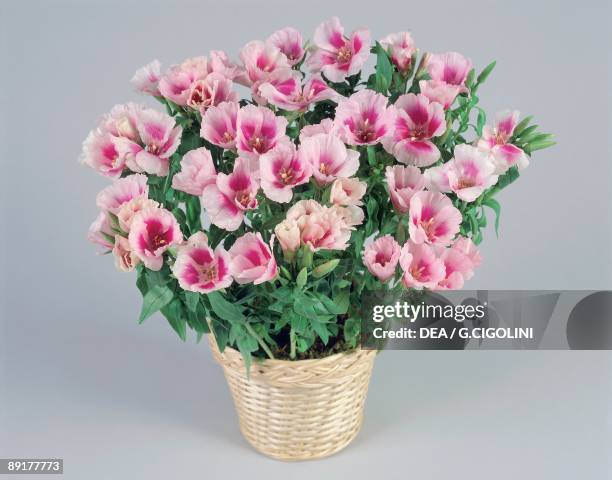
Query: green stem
259, 340
292, 343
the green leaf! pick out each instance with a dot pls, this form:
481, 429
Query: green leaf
352, 329
155, 299
302, 278
320, 329
224, 309
522, 125
496, 207
480, 120
325, 268
191, 300
485, 73
192, 204
384, 70
541, 145
175, 315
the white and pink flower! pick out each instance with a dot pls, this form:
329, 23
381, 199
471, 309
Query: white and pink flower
201, 269
433, 218
125, 259
364, 117
401, 46
403, 183
422, 267
258, 131
457, 268
210, 91
468, 174
146, 79
219, 125
159, 138
347, 191
448, 72
152, 232
121, 191
289, 41
466, 246
288, 234
128, 210
381, 257
176, 83
417, 120
261, 60
329, 158
231, 196
281, 169
336, 55
292, 96
197, 172
252, 260
325, 126
101, 233
496, 141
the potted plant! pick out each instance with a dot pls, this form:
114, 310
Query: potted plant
264, 220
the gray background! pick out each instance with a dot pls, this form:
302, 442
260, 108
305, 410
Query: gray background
81, 380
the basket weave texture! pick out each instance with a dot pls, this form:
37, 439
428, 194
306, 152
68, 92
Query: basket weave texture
299, 410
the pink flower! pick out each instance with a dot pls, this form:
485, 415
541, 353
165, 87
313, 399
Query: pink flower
381, 257
458, 268
288, 234
304, 208
252, 259
416, 122
261, 60
219, 125
259, 130
451, 67
468, 174
125, 258
365, 117
325, 126
128, 210
495, 140
448, 72
289, 42
231, 196
422, 268
176, 83
146, 79
122, 191
402, 49
329, 158
347, 191
281, 169
100, 232
336, 55
197, 172
100, 153
210, 91
403, 183
153, 231
200, 269
433, 218
218, 62
324, 230
467, 247
291, 96
159, 139
440, 92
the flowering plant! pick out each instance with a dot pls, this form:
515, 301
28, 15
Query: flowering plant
266, 219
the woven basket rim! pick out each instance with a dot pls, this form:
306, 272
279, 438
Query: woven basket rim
277, 361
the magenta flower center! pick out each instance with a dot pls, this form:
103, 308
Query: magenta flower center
344, 54
228, 137
286, 175
365, 132
465, 183
382, 259
258, 144
158, 241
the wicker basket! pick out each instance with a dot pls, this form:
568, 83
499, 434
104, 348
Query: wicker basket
299, 410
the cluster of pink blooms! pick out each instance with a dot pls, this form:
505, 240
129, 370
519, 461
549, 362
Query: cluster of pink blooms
133, 140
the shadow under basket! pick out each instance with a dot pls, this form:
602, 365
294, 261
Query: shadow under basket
302, 409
